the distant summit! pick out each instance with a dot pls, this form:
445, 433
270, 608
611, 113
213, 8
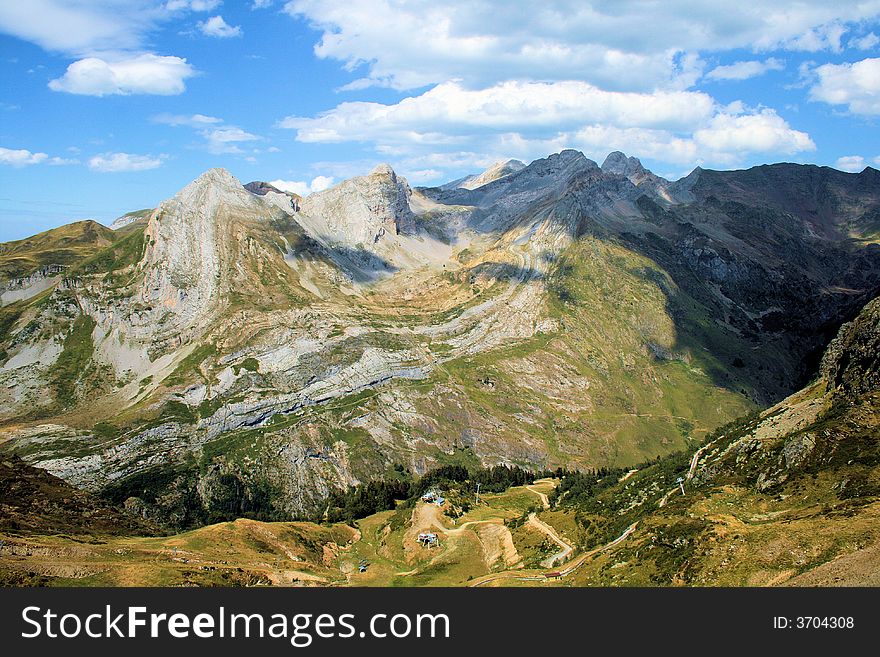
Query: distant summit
499, 170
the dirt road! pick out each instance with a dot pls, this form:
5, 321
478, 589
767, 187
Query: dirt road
558, 557
564, 572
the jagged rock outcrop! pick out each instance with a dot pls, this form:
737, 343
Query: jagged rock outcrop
631, 168
27, 287
851, 364
130, 218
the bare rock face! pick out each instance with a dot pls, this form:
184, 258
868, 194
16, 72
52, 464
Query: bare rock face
188, 251
130, 218
26, 287
852, 361
362, 210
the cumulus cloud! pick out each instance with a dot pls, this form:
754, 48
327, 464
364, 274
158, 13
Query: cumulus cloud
217, 27
744, 70
141, 74
434, 116
119, 162
23, 157
762, 132
319, 183
450, 127
851, 163
611, 45
856, 85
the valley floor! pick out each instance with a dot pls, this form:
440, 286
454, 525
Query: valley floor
509, 539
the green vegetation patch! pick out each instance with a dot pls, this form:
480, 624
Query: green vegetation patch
75, 362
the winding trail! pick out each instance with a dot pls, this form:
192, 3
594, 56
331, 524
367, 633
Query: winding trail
560, 556
564, 572
544, 499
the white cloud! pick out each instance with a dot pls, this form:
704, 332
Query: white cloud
141, 74
744, 70
851, 163
631, 45
82, 27
261, 4
217, 27
761, 132
452, 128
117, 162
822, 37
867, 42
319, 183
435, 116
192, 5
225, 139
191, 120
21, 157
219, 138
856, 85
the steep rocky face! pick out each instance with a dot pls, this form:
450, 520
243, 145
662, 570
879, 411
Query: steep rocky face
363, 210
851, 364
829, 203
21, 288
192, 246
274, 194
130, 218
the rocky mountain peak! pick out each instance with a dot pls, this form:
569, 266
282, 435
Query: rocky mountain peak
190, 241
562, 165
619, 163
384, 169
361, 210
499, 170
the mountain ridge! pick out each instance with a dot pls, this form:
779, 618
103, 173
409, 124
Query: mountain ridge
375, 324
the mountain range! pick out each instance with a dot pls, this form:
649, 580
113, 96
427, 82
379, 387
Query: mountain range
239, 350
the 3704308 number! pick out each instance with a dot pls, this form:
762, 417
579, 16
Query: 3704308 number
826, 622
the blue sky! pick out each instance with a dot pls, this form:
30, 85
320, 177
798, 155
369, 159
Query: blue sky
108, 106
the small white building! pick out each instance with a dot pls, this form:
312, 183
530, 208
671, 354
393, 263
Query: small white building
431, 496
428, 539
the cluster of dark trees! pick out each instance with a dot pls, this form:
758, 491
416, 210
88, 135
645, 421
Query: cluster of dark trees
381, 495
580, 487
366, 499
